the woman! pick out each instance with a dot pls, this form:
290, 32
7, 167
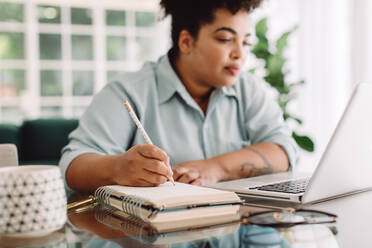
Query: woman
206, 118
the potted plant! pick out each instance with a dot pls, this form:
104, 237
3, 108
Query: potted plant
271, 53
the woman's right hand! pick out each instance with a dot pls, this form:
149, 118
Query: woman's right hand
142, 165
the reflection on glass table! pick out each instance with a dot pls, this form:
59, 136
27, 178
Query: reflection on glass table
92, 228
289, 217
119, 232
97, 226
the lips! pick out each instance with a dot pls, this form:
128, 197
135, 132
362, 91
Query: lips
232, 70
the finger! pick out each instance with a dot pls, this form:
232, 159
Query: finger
153, 178
154, 152
158, 167
188, 177
143, 183
178, 172
198, 181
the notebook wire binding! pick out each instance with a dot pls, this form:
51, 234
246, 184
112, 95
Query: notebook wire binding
130, 204
130, 225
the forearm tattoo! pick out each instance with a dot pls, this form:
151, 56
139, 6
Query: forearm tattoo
256, 170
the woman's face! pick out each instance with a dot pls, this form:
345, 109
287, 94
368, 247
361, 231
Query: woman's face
220, 49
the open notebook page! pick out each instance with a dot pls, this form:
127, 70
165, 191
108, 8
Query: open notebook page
179, 195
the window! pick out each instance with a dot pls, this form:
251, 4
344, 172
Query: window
55, 56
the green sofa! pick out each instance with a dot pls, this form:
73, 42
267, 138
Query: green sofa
38, 141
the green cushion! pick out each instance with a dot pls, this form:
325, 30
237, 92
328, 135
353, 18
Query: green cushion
9, 134
39, 162
43, 139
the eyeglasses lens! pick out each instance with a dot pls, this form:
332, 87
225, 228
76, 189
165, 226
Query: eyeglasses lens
278, 218
315, 217
273, 218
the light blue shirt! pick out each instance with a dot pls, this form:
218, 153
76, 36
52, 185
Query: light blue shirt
237, 116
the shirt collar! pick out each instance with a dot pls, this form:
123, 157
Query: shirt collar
169, 83
229, 90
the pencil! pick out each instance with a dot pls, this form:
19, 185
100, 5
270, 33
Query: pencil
141, 129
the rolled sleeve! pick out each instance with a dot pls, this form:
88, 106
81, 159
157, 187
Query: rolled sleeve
265, 123
103, 128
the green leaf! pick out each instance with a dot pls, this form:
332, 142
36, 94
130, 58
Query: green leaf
304, 142
275, 69
261, 49
299, 121
301, 82
282, 42
261, 28
282, 103
289, 116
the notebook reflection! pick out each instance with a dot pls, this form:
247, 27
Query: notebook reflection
231, 234
172, 231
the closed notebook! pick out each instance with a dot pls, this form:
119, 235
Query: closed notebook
166, 202
168, 232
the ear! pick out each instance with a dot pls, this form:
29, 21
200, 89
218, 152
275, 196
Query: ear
185, 42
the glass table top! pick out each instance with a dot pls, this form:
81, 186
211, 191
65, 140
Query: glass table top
92, 228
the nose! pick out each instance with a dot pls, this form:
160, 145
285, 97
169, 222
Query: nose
238, 52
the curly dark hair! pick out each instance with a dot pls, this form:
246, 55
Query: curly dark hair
190, 15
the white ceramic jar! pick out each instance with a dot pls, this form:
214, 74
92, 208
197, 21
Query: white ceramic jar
32, 200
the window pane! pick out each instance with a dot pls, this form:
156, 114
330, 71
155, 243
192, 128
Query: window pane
81, 16
82, 47
51, 111
50, 46
115, 18
144, 48
12, 82
50, 83
111, 74
11, 115
11, 12
83, 83
145, 19
12, 45
116, 48
49, 14
78, 111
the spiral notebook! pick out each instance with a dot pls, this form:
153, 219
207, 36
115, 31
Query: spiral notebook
166, 202
171, 232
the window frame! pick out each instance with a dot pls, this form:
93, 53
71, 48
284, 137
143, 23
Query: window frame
31, 101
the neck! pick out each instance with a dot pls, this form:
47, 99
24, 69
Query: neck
199, 92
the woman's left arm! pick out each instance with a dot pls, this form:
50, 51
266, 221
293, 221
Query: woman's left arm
255, 160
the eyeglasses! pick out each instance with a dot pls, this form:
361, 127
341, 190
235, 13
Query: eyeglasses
290, 217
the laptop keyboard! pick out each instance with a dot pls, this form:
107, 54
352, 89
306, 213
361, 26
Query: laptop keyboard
291, 187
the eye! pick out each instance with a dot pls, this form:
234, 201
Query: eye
247, 43
223, 40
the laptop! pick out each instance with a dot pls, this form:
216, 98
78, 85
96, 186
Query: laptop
344, 168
